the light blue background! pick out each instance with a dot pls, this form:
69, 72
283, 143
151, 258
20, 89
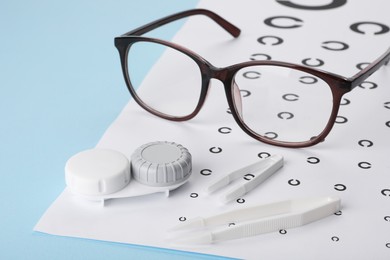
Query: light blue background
60, 88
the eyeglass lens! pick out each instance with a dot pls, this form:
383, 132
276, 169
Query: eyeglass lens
174, 87
282, 103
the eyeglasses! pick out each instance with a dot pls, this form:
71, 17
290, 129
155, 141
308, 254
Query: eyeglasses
277, 103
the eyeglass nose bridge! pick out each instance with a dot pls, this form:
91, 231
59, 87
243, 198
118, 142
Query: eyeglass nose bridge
226, 76
221, 74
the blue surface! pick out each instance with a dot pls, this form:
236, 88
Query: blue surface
60, 88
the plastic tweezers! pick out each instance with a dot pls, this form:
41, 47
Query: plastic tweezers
260, 170
256, 220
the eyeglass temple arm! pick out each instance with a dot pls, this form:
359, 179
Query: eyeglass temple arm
370, 69
230, 28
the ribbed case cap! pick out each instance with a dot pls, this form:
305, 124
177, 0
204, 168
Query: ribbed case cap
161, 164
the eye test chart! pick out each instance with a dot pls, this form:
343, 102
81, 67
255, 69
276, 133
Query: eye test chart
353, 162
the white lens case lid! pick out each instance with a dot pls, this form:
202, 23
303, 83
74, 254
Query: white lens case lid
97, 172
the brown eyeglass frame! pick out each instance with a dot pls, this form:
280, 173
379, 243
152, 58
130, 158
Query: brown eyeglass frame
339, 85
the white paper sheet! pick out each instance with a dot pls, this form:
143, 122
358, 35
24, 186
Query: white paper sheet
344, 165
